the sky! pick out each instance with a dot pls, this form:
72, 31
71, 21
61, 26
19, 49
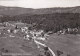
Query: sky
40, 3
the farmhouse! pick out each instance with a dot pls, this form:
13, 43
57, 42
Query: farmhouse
7, 24
28, 36
20, 25
24, 29
37, 33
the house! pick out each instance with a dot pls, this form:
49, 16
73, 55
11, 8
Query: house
37, 33
28, 36
20, 25
60, 32
72, 30
23, 29
69, 29
7, 24
11, 30
75, 29
15, 31
8, 30
64, 31
49, 32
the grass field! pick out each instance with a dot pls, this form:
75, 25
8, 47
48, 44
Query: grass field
17, 45
68, 44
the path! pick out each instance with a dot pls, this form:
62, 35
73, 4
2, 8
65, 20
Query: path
45, 46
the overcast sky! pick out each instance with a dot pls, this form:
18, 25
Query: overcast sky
40, 3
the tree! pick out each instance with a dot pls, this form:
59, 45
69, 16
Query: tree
59, 53
39, 55
47, 53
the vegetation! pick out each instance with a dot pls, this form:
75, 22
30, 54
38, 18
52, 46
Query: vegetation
48, 22
59, 53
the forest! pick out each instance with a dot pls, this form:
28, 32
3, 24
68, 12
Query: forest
49, 22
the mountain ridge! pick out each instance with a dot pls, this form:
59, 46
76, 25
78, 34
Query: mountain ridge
19, 10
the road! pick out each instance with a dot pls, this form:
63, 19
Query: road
37, 42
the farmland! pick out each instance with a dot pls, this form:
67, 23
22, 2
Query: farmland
15, 43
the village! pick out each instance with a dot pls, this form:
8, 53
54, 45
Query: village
21, 30
19, 27
12, 29
15, 28
39, 28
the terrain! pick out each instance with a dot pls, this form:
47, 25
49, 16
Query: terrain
17, 45
12, 11
67, 44
48, 19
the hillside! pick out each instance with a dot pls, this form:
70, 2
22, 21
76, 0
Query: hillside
49, 19
11, 11
53, 22
49, 22
18, 11
68, 44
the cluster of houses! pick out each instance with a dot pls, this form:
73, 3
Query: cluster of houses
12, 27
68, 31
17, 27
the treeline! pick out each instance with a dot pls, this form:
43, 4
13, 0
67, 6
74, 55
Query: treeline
48, 22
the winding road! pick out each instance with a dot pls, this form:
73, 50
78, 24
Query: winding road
37, 42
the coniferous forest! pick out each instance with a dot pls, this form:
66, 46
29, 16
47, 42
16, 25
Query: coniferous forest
48, 22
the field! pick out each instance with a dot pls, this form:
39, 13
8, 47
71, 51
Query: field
68, 44
17, 45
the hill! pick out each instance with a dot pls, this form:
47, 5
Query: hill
49, 19
18, 10
68, 44
11, 11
